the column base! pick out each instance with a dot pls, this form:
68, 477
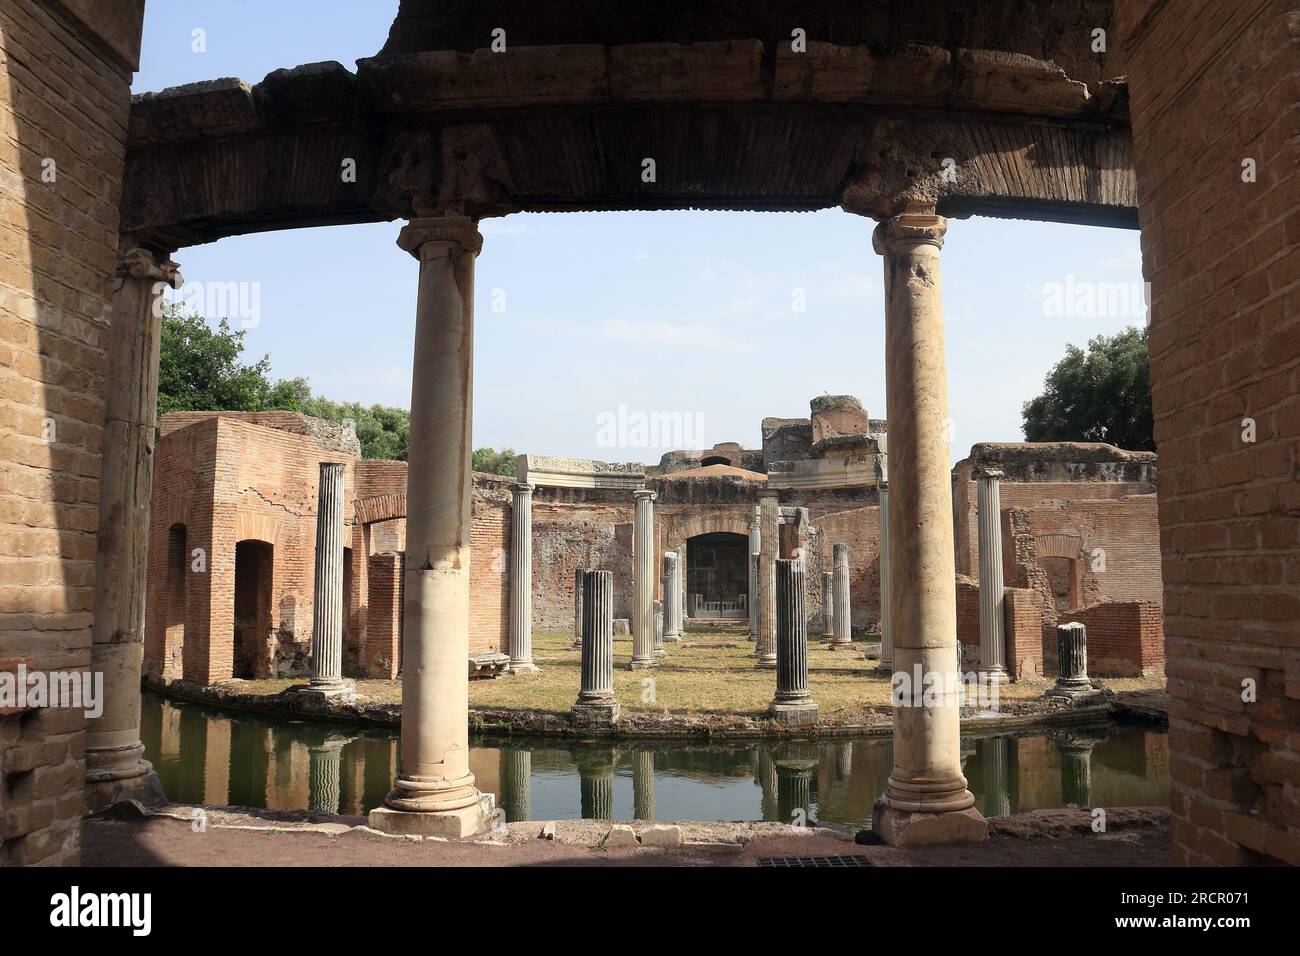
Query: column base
765, 662
999, 677
448, 824
672, 638
594, 713
105, 788
522, 667
344, 689
793, 713
1073, 690
903, 828
643, 663
884, 669
841, 645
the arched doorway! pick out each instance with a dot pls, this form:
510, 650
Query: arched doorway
717, 575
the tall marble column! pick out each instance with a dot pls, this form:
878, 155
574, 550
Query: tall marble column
926, 799
842, 637
115, 766
755, 552
327, 598
435, 793
643, 573
828, 605
993, 639
886, 665
681, 590
657, 615
596, 704
793, 705
521, 580
577, 609
769, 544
643, 784
672, 595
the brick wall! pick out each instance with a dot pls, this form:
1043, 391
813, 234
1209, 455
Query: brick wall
1023, 616
489, 596
381, 656
1125, 638
1212, 85
968, 620
65, 73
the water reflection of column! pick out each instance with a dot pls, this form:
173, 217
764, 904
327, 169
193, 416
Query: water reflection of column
767, 783
596, 785
517, 783
794, 778
843, 761
997, 787
325, 772
643, 784
1076, 770
216, 763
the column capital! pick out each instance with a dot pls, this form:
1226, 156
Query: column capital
523, 488
462, 231
909, 229
641, 493
139, 263
987, 474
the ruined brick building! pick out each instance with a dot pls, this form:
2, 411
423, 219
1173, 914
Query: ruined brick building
1183, 124
1078, 523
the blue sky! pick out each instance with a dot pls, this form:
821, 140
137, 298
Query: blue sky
670, 312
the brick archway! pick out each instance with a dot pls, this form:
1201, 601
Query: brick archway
379, 508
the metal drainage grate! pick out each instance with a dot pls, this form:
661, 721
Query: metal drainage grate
832, 861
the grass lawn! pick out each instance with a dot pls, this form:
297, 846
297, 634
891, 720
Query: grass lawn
705, 674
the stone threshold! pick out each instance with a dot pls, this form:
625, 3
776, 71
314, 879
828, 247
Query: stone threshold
501, 722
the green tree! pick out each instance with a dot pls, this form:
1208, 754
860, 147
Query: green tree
383, 431
1101, 395
199, 369
494, 462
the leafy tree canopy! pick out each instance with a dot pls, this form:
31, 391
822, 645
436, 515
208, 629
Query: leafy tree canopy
495, 462
1101, 395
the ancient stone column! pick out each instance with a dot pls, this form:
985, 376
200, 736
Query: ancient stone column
681, 590
769, 543
577, 608
793, 705
643, 784
115, 767
596, 705
1072, 656
672, 595
643, 572
993, 639
521, 580
886, 665
657, 615
327, 598
325, 766
517, 784
828, 605
755, 552
842, 636
434, 793
926, 800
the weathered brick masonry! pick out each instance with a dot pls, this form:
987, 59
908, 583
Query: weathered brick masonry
64, 97
1213, 91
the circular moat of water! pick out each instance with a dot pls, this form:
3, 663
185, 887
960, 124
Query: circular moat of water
212, 757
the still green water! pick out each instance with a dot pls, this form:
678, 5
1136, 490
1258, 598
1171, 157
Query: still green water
219, 759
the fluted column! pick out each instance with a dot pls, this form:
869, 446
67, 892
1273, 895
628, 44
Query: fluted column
926, 799
755, 552
828, 605
769, 543
115, 766
435, 793
327, 598
886, 599
596, 786
643, 784
842, 635
657, 615
993, 640
521, 580
577, 608
516, 785
596, 705
672, 595
793, 705
643, 572
1072, 661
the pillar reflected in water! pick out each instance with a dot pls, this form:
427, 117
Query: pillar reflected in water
596, 783
1076, 769
643, 784
517, 784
